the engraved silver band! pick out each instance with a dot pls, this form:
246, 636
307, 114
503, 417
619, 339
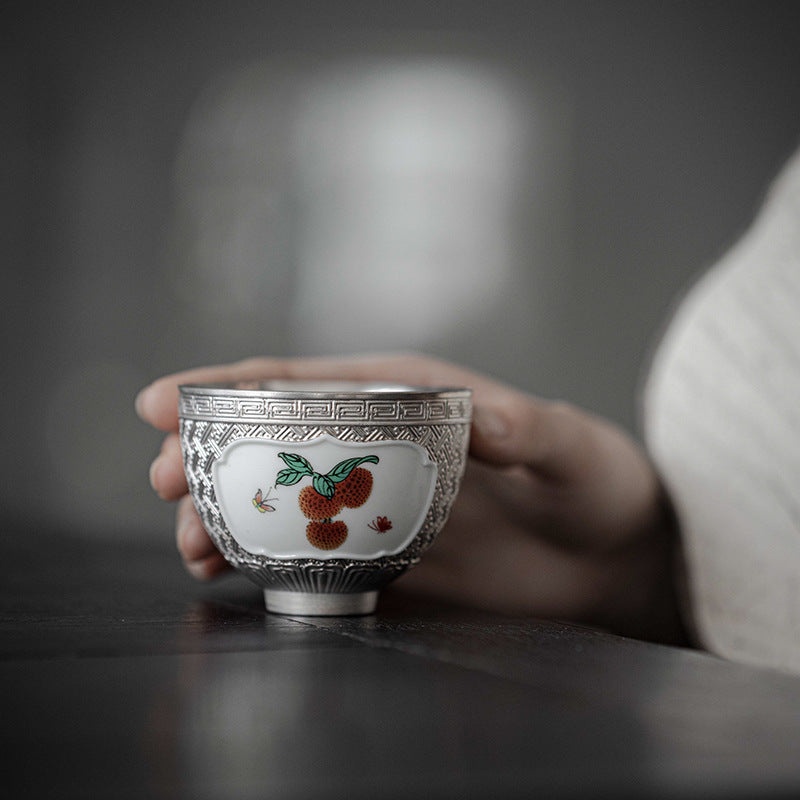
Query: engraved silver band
374, 406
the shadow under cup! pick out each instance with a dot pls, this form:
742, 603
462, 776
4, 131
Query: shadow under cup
323, 492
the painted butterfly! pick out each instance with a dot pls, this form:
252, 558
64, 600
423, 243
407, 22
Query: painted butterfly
262, 505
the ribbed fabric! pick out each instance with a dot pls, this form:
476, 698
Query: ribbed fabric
722, 422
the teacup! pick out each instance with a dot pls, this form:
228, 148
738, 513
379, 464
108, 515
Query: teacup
323, 492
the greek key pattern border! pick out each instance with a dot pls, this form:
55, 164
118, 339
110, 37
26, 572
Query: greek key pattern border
378, 411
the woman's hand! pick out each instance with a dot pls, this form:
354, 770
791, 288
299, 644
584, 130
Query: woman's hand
560, 514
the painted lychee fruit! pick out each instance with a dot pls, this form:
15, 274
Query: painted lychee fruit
355, 489
315, 506
326, 535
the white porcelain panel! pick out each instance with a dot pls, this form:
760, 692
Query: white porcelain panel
403, 482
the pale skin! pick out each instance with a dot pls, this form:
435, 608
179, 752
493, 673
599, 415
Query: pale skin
560, 514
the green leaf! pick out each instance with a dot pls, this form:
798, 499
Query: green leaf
289, 477
324, 485
297, 463
344, 468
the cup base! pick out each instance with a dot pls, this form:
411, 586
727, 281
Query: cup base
306, 604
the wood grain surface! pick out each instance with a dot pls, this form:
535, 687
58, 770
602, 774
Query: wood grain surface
124, 678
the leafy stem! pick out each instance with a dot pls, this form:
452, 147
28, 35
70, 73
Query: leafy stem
298, 468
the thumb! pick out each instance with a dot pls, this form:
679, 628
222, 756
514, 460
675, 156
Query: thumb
516, 429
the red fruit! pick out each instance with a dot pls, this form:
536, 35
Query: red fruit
326, 535
317, 507
355, 489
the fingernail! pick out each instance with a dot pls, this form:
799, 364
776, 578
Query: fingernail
180, 535
197, 569
139, 402
489, 423
182, 517
154, 467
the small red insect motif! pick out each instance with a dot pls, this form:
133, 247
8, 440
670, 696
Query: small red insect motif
380, 525
262, 505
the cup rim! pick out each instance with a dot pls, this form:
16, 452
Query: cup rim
323, 389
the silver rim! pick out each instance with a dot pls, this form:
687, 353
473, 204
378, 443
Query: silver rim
348, 389
391, 405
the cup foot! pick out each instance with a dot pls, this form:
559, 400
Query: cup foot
307, 604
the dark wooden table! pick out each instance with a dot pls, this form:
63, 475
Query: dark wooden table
123, 678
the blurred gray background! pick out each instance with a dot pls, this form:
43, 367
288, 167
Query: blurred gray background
521, 187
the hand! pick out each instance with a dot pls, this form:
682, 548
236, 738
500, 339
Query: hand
560, 513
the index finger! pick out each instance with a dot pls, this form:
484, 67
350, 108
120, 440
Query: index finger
509, 427
158, 402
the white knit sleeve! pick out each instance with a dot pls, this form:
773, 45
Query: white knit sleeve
722, 423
